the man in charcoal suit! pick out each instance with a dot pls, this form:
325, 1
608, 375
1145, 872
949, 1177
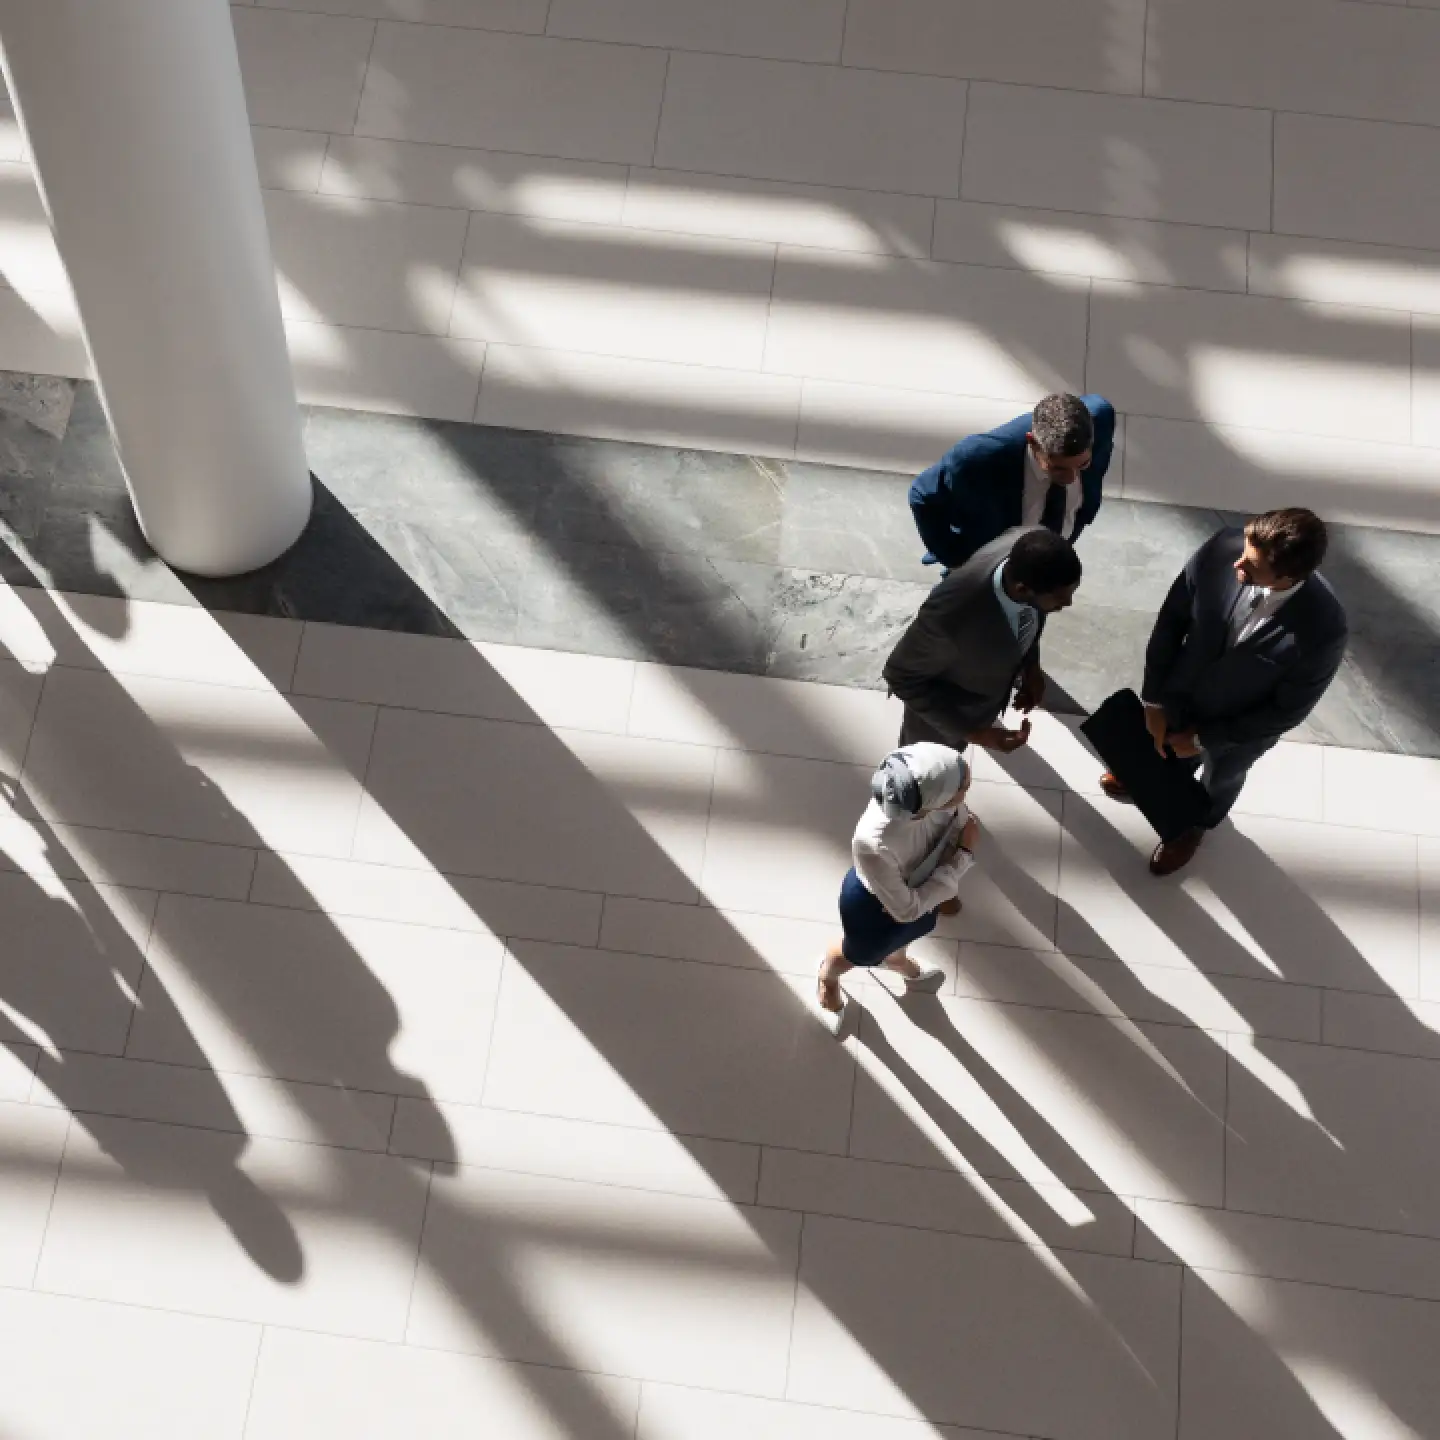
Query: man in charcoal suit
975, 642
1248, 640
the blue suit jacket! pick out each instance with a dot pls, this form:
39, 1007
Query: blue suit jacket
977, 492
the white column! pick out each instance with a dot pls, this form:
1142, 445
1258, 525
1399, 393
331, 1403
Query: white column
136, 121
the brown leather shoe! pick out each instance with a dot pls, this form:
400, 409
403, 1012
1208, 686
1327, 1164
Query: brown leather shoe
1176, 854
1116, 789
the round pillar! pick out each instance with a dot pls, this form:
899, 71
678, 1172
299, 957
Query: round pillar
136, 121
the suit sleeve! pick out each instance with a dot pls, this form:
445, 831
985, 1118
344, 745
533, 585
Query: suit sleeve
914, 673
1172, 625
1293, 699
1101, 454
934, 520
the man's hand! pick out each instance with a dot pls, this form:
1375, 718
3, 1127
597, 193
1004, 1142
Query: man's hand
1001, 739
1185, 744
1031, 691
970, 835
1156, 724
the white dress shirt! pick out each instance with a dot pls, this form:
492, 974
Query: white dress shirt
1254, 607
1037, 487
887, 852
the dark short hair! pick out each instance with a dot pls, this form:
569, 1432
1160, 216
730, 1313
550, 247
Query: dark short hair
1062, 425
1292, 541
1044, 562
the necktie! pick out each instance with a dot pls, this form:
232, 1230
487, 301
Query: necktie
1029, 623
1052, 517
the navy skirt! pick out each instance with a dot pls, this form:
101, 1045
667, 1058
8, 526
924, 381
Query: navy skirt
871, 934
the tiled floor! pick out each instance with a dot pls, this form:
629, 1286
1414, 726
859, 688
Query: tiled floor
846, 230
399, 1036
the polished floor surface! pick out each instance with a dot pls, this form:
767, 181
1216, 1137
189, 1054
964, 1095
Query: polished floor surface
851, 230
409, 1035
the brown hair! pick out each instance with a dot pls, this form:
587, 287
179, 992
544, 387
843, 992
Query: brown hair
1292, 541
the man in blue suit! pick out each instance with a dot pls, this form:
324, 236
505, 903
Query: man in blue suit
1047, 468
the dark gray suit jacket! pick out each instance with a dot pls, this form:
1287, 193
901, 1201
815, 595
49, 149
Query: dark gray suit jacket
956, 666
1251, 694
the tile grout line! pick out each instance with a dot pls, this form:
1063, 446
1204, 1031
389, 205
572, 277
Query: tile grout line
1273, 127
794, 1305
324, 163
254, 1380
364, 77
1225, 1131
659, 117
1180, 1352
419, 1252
507, 956
480, 379
964, 147
50, 1206
844, 35
1145, 51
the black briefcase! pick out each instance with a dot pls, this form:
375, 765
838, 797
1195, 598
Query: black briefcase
1165, 789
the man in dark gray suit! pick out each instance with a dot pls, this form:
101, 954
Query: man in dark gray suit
975, 642
1247, 642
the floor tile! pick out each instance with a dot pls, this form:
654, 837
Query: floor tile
1250, 360
198, 762
968, 328
562, 98
774, 29
17, 1070
947, 1328
418, 897
1351, 481
576, 1150
1341, 272
670, 1412
818, 124
522, 16
1089, 45
1290, 57
1259, 1245
73, 958
903, 430
166, 642
302, 71
1267, 899
654, 401
576, 1038
1303, 1361
1118, 155
1342, 1145
1054, 1099
315, 1385
367, 263
1157, 993
707, 1289
13, 149
448, 175
779, 844
455, 677
289, 159
608, 290
20, 692
32, 1142
40, 333
1054, 242
28, 253
1329, 180
732, 937
1425, 340
364, 1004
50, 853
940, 1200
1380, 1022
782, 212
749, 712
242, 1104
1374, 791
1430, 919
602, 812
74, 1367
398, 374
271, 1231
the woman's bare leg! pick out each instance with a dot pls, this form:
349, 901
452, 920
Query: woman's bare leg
902, 964
831, 969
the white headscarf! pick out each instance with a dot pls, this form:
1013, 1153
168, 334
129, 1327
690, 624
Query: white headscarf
918, 777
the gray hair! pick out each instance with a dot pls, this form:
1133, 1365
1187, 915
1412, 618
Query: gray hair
1062, 425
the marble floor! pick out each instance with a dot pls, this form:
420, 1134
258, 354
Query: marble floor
401, 1034
850, 230
789, 568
